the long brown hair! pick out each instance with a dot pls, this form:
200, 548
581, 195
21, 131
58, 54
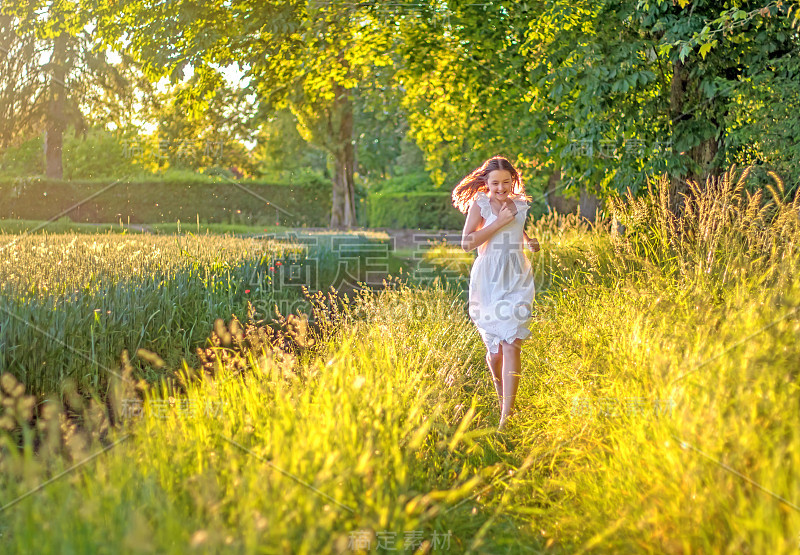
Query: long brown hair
466, 190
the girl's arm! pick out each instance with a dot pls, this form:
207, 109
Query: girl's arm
472, 237
529, 239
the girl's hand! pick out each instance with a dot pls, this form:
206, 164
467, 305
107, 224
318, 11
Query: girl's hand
533, 245
507, 213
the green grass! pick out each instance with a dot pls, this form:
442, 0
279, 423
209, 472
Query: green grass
62, 225
70, 303
203, 228
364, 422
385, 422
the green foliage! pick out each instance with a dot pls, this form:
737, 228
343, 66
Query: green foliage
413, 210
98, 155
466, 89
610, 93
24, 160
764, 122
384, 147
412, 182
628, 74
308, 58
202, 132
177, 196
281, 152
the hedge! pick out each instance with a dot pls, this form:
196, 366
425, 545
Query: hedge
417, 210
295, 205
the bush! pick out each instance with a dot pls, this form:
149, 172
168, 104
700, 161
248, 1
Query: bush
414, 182
152, 201
413, 210
25, 159
97, 155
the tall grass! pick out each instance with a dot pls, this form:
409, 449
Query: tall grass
363, 432
71, 303
720, 232
657, 412
663, 378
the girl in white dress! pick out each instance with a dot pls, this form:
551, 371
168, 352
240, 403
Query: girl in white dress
501, 287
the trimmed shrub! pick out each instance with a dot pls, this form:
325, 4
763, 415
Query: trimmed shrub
413, 210
299, 204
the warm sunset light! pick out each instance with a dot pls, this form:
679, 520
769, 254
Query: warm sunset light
424, 276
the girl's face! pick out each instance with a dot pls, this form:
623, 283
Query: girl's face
500, 184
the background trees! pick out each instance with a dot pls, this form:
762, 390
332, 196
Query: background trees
644, 88
56, 75
308, 57
602, 95
605, 93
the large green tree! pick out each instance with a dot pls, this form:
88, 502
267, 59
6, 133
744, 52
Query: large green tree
55, 75
308, 56
605, 93
465, 88
630, 83
22, 84
199, 139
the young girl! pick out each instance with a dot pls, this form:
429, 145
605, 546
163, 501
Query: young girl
501, 287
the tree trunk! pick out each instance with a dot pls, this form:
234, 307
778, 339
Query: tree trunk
585, 206
677, 96
343, 213
54, 134
702, 154
558, 203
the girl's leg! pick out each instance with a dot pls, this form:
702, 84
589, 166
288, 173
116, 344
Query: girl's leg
511, 374
495, 362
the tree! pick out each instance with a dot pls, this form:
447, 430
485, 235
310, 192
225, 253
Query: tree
309, 57
280, 149
50, 22
76, 86
605, 93
623, 79
465, 90
201, 139
22, 84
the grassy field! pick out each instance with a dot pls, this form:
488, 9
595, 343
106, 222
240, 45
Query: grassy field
658, 413
71, 302
61, 225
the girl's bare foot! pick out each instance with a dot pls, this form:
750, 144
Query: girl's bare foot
504, 419
502, 424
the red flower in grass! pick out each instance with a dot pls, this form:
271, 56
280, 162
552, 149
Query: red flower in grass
246, 291
272, 268
278, 263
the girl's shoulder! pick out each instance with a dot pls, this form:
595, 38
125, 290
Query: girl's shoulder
522, 201
482, 200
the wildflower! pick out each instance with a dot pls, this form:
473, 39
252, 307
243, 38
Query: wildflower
246, 291
272, 268
278, 263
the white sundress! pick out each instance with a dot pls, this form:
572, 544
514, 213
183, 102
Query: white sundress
501, 284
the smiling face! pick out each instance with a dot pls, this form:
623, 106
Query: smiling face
500, 184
